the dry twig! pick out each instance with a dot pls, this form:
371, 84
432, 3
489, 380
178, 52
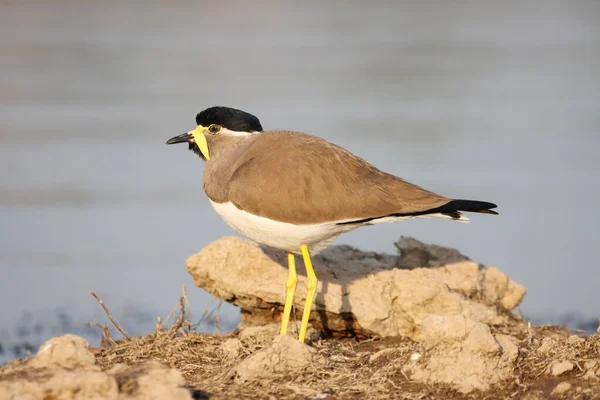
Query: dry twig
115, 323
106, 339
181, 321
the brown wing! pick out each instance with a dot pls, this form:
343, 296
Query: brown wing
302, 179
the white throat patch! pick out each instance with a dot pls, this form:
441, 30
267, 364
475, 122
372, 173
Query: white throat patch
228, 132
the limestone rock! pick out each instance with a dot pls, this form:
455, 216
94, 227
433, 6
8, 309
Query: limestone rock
153, 381
285, 355
461, 352
547, 345
359, 293
558, 368
499, 289
590, 366
561, 388
508, 347
58, 383
231, 348
68, 351
64, 368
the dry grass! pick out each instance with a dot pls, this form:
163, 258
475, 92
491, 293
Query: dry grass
349, 369
348, 372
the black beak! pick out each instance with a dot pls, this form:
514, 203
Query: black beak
184, 138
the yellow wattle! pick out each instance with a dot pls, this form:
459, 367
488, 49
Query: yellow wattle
200, 140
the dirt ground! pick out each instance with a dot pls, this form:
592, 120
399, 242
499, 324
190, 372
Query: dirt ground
351, 372
348, 368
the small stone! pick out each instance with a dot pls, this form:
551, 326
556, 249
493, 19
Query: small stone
444, 331
461, 352
312, 334
231, 348
547, 345
68, 351
510, 351
558, 368
415, 357
155, 380
590, 374
382, 354
285, 355
562, 388
339, 358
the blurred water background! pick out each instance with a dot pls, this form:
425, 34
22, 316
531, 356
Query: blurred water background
497, 101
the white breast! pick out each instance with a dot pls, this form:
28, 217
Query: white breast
290, 237
281, 235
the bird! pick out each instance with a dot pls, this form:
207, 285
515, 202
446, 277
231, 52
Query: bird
297, 192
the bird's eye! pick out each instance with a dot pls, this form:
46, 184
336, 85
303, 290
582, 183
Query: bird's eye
214, 129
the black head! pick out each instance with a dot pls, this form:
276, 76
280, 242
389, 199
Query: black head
214, 122
230, 118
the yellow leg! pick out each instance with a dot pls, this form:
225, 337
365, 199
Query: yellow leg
311, 286
290, 284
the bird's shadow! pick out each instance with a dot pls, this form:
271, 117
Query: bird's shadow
339, 266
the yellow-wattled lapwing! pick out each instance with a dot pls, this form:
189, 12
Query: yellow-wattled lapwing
297, 192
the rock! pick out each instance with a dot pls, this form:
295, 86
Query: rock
463, 353
152, 380
590, 374
231, 348
442, 331
590, 364
64, 368
499, 289
548, 344
561, 388
509, 349
285, 355
85, 384
359, 294
558, 368
68, 351
58, 383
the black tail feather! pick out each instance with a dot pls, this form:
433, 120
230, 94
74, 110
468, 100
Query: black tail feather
465, 205
451, 209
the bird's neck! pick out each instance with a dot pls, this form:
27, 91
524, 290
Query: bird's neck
224, 152
221, 146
